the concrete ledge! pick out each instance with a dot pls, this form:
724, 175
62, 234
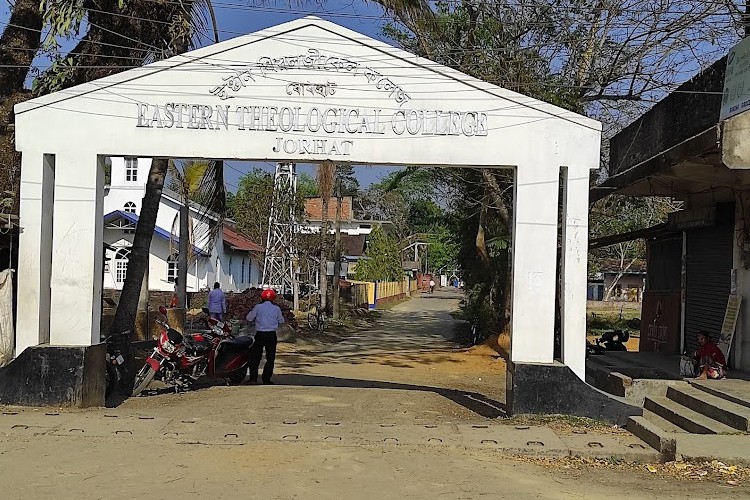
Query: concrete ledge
555, 389
55, 376
654, 436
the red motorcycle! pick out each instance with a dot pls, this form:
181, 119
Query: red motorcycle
181, 359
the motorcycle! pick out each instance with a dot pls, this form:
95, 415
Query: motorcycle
115, 361
609, 341
180, 360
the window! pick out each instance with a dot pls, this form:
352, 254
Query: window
172, 268
230, 273
131, 169
129, 207
122, 256
250, 271
242, 271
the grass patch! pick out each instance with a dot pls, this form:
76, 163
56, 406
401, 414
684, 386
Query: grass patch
604, 317
560, 422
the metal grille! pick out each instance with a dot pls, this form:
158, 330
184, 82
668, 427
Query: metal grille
707, 286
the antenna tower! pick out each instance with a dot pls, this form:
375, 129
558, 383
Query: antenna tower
281, 250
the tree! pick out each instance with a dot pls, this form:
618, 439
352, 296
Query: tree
250, 206
383, 258
623, 214
201, 182
325, 176
609, 58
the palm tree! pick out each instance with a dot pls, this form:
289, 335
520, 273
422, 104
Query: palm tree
325, 176
201, 182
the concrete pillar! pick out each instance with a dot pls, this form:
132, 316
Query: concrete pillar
35, 249
534, 256
573, 269
77, 249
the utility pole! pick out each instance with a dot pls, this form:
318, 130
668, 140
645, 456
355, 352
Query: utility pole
337, 255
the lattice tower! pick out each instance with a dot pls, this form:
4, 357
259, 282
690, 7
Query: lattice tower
281, 251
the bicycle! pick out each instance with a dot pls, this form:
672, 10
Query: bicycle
316, 318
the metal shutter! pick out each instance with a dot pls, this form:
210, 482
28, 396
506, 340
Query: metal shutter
708, 268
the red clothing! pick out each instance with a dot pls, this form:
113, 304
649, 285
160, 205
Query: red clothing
711, 351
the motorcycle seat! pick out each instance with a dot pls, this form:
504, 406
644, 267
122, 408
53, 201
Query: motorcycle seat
237, 344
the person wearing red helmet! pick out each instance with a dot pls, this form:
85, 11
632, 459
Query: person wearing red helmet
267, 317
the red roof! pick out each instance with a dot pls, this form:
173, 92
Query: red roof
238, 241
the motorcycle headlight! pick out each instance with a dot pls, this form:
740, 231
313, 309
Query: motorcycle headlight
168, 347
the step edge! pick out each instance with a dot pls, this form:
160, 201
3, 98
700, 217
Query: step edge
688, 419
720, 394
736, 418
651, 434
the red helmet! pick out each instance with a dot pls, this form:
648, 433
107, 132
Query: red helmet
268, 295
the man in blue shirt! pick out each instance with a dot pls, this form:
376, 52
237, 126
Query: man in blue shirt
217, 302
267, 317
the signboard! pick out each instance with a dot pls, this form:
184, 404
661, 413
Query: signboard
736, 95
729, 324
692, 219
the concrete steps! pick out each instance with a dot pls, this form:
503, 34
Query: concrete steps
714, 407
681, 422
685, 418
735, 390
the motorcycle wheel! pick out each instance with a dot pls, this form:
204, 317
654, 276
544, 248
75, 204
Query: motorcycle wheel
238, 376
143, 378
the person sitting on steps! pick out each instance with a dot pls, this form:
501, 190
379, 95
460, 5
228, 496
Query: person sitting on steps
708, 361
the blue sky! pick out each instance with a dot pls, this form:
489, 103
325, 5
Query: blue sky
238, 17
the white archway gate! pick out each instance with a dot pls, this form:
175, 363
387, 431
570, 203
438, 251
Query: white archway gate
307, 90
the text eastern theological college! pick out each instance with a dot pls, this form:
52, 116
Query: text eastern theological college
315, 120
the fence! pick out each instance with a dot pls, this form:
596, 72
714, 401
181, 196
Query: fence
370, 295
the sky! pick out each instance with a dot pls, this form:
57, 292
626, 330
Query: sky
239, 17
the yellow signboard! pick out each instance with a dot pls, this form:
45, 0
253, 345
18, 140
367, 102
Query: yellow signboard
729, 324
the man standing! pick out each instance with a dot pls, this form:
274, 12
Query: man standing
267, 317
217, 302
432, 285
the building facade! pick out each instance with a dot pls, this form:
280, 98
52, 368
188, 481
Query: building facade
219, 254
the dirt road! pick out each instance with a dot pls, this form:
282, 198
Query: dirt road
397, 411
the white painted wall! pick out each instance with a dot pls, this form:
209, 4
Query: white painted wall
487, 126
351, 228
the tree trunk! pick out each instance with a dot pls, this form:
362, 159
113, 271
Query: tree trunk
323, 262
183, 249
337, 261
141, 329
18, 45
139, 253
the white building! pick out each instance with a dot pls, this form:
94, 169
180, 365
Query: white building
225, 255
349, 225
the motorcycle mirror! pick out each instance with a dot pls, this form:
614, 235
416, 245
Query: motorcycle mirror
163, 310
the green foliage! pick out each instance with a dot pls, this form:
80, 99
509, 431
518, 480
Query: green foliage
307, 187
250, 206
622, 214
383, 262
477, 41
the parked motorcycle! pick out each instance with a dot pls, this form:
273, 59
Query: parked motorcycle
180, 360
609, 341
115, 361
